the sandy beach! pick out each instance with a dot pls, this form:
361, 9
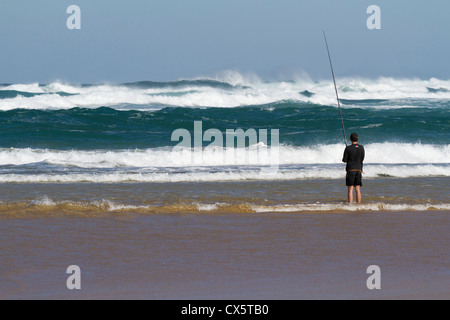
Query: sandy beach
227, 256
208, 241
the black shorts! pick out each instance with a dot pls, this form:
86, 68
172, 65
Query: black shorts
353, 178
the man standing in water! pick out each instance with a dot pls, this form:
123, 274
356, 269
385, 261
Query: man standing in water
354, 157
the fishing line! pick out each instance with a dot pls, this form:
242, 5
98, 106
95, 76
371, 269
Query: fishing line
335, 88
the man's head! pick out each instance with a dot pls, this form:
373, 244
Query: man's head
354, 137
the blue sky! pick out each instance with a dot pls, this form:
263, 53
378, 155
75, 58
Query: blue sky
163, 40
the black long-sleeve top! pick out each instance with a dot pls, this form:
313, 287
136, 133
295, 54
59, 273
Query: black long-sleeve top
354, 156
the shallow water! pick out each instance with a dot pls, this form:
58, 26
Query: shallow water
229, 240
319, 196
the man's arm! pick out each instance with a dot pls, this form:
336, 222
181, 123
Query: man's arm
363, 153
345, 158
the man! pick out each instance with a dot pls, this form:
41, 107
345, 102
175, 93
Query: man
354, 157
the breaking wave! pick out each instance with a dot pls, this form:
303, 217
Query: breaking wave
260, 154
44, 205
228, 91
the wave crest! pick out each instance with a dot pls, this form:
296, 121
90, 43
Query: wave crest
260, 154
227, 91
45, 205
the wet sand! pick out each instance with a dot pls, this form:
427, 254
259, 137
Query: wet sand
291, 256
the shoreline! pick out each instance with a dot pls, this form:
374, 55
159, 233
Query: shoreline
243, 197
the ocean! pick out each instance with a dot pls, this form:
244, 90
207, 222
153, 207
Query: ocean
121, 134
84, 167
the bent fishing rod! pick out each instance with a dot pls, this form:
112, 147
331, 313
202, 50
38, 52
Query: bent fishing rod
335, 88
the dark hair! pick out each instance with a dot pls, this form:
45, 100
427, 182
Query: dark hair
354, 137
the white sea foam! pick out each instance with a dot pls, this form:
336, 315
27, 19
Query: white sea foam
113, 206
31, 87
209, 207
43, 201
164, 176
377, 153
320, 207
164, 165
251, 91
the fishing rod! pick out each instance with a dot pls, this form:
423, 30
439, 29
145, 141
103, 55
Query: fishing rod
335, 88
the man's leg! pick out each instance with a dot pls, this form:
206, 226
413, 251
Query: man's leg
350, 194
358, 193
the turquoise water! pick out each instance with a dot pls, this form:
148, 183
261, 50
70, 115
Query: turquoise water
144, 114
123, 133
300, 124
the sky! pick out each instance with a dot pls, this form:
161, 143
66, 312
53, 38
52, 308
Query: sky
164, 40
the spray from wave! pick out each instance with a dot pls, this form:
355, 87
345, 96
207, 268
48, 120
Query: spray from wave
229, 91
